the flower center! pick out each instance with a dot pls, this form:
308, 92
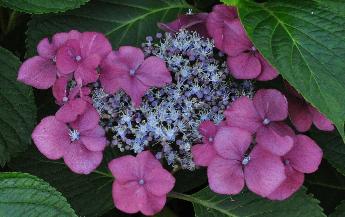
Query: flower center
78, 58
65, 99
74, 135
253, 48
132, 72
54, 59
266, 121
246, 160
141, 182
286, 162
210, 139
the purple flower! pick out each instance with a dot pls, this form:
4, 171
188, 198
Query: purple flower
141, 183
80, 143
127, 69
41, 71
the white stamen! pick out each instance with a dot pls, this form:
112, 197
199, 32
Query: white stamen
210, 139
64, 99
54, 59
74, 135
132, 72
246, 160
78, 58
141, 182
266, 121
253, 48
286, 162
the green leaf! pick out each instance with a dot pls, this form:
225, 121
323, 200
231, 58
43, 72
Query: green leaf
42, 6
340, 210
26, 195
123, 22
333, 148
90, 195
209, 204
305, 41
17, 109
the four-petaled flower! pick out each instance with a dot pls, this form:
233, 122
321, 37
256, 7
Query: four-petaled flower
127, 69
141, 183
263, 115
304, 157
80, 143
235, 165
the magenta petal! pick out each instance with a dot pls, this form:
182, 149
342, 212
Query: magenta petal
59, 39
94, 140
271, 104
38, 72
51, 138
305, 156
208, 129
147, 161
299, 114
264, 172
80, 160
158, 181
244, 66
152, 204
320, 121
94, 43
242, 113
276, 137
70, 111
132, 57
88, 120
46, 49
126, 196
235, 39
267, 71
203, 154
60, 89
225, 176
124, 169
292, 183
87, 71
66, 57
135, 89
153, 72
232, 142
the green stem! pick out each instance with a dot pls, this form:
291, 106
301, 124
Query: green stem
181, 196
11, 22
103, 174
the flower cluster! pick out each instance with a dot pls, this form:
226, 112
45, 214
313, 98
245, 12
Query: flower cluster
182, 100
168, 118
255, 147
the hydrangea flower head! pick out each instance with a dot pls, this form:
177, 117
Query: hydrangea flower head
191, 22
303, 115
82, 56
127, 69
141, 183
79, 143
41, 71
263, 115
235, 165
304, 157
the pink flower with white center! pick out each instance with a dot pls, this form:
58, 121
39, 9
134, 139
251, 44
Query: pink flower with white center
127, 69
41, 71
79, 143
304, 157
73, 102
244, 60
191, 22
263, 115
204, 153
83, 56
303, 115
141, 183
228, 172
